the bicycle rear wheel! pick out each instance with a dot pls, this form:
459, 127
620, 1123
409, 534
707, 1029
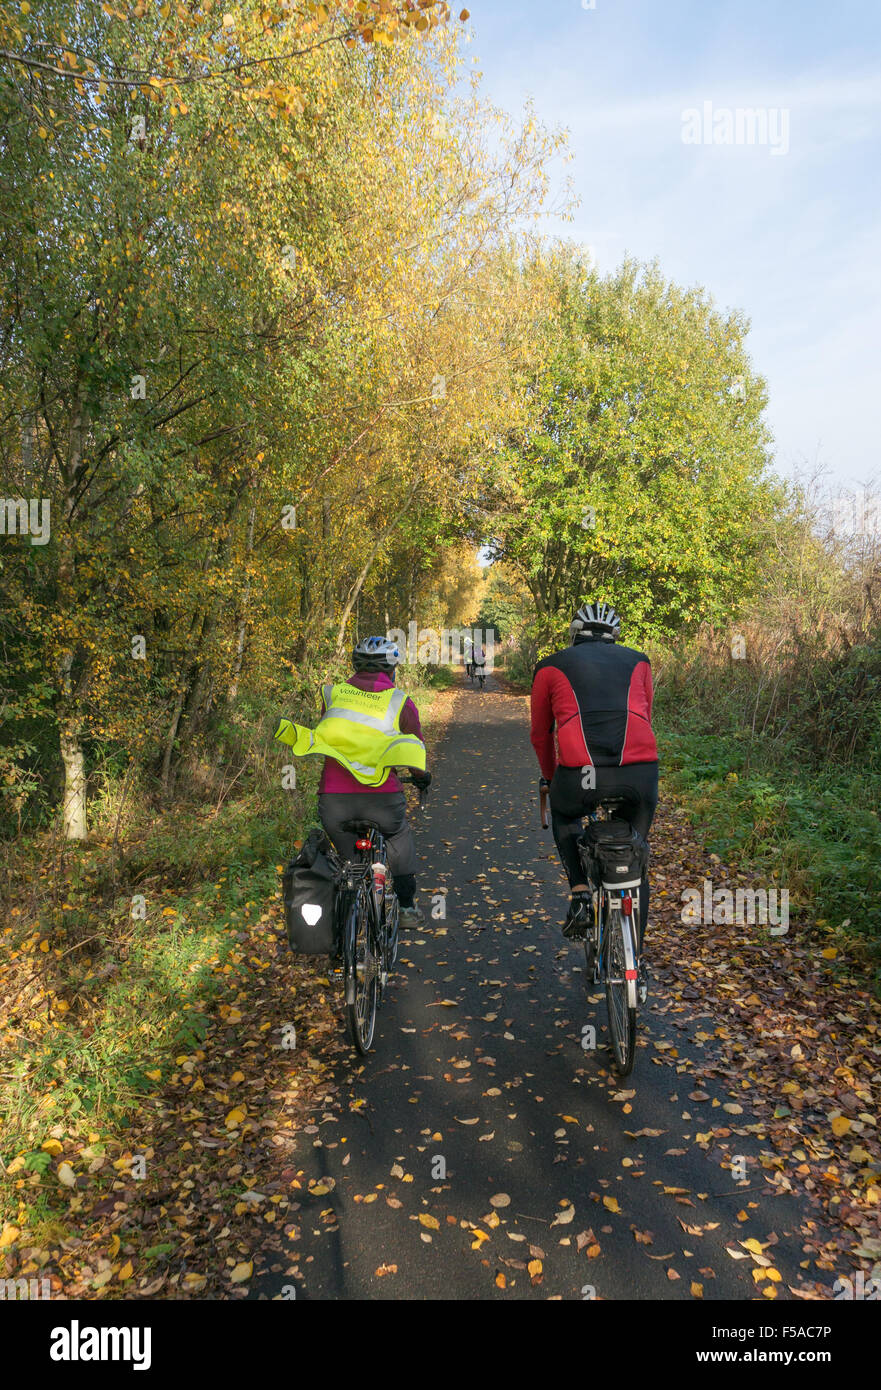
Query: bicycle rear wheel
620, 973
362, 967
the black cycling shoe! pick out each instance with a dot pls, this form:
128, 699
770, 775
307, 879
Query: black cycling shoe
578, 918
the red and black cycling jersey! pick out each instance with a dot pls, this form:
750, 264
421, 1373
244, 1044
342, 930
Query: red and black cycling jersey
599, 696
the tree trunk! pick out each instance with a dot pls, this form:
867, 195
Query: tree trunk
326, 591
355, 591
73, 805
169, 744
73, 799
243, 615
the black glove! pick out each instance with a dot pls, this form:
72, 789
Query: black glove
422, 780
543, 783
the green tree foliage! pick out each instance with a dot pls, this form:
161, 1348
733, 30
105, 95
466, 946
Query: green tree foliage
634, 472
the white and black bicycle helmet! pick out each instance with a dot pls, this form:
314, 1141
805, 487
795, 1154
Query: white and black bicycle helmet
375, 654
595, 620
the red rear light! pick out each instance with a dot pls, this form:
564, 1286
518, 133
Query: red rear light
626, 904
362, 844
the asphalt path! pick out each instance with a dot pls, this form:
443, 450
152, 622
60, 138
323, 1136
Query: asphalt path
485, 1149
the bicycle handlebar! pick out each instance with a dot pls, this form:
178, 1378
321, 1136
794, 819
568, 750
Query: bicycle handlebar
423, 791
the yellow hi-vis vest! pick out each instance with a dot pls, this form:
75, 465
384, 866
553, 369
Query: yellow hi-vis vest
361, 730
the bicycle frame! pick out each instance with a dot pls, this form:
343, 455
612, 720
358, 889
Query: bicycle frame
611, 944
355, 874
608, 900
367, 923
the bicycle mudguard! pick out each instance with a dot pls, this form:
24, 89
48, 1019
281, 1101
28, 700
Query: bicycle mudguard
630, 965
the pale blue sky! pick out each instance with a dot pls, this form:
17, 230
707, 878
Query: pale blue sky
790, 238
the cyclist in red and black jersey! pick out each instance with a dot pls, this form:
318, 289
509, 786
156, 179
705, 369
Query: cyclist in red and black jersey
592, 734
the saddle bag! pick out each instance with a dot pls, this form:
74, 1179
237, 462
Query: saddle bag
613, 852
308, 889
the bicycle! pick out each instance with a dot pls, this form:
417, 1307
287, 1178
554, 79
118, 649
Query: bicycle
478, 676
366, 915
611, 945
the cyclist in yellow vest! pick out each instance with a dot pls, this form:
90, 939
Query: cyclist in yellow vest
367, 729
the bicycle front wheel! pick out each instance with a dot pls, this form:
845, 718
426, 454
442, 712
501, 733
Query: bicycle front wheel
620, 973
361, 967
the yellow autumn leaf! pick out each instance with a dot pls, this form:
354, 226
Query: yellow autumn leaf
114, 1247
242, 1272
235, 1117
479, 1238
611, 1204
126, 1272
840, 1125
51, 1146
154, 1075
431, 1221
534, 1267
697, 1290
9, 1235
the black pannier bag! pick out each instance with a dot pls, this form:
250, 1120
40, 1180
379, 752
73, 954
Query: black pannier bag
614, 852
308, 888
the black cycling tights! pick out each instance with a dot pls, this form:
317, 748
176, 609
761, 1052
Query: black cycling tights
571, 802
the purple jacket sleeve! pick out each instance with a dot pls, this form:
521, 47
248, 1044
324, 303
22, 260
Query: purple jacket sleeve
410, 720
